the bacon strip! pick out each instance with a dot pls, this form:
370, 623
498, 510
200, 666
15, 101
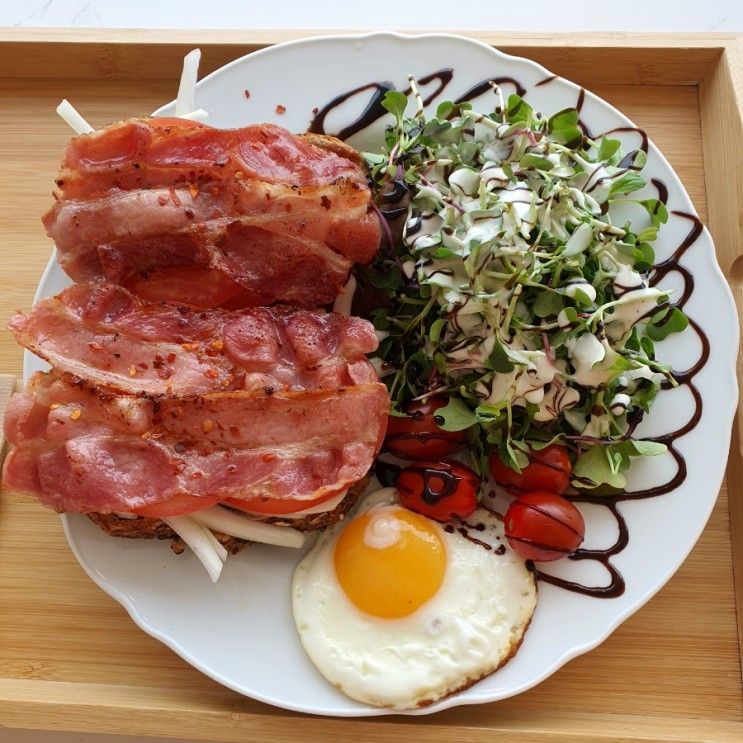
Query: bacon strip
275, 216
77, 449
103, 334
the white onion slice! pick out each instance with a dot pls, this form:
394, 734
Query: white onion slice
185, 101
198, 115
343, 301
219, 548
194, 535
243, 527
72, 116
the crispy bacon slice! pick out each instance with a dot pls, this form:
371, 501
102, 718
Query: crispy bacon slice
78, 449
258, 207
103, 334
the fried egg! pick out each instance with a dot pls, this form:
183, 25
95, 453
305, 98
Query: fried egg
398, 611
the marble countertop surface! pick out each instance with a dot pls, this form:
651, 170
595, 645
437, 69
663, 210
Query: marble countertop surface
537, 15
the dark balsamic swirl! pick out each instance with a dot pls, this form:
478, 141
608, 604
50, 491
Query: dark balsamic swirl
387, 472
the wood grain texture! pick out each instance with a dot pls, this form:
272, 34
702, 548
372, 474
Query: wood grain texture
586, 58
721, 106
7, 385
70, 657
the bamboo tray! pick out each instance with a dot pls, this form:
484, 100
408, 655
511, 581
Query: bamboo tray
71, 659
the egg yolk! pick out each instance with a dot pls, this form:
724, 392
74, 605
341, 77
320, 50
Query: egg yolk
390, 561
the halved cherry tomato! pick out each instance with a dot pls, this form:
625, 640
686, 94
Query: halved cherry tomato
275, 506
418, 436
544, 526
178, 505
439, 490
548, 469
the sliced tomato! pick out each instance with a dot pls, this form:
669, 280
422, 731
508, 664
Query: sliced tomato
178, 505
275, 506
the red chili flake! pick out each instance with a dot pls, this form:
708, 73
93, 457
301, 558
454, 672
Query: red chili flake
162, 200
132, 371
171, 358
280, 109
207, 425
186, 347
218, 344
212, 373
234, 431
239, 175
325, 201
174, 196
54, 406
142, 365
75, 414
193, 189
93, 346
246, 93
268, 457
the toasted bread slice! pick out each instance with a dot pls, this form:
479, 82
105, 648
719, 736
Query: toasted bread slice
144, 527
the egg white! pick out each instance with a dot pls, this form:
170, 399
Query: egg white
468, 629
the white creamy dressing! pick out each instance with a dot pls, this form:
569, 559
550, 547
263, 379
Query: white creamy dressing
626, 280
499, 207
629, 309
619, 403
572, 289
579, 241
464, 182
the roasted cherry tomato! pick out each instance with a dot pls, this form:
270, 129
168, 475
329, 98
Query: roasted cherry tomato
418, 436
548, 469
544, 526
177, 505
439, 490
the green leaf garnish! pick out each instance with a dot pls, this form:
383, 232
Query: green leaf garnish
395, 102
455, 416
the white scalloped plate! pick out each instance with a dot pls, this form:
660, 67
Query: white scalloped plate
240, 631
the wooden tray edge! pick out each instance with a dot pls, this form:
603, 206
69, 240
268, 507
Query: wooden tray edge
66, 710
91, 708
154, 54
721, 111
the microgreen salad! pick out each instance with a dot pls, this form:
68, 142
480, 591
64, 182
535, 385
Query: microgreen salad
510, 289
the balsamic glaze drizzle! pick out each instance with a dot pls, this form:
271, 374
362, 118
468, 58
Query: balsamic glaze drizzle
387, 472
